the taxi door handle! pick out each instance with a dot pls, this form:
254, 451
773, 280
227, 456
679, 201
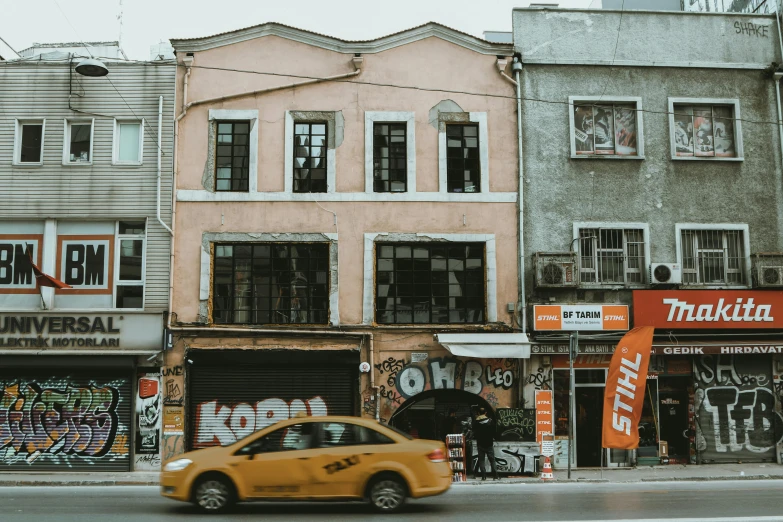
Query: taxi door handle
304, 458
367, 454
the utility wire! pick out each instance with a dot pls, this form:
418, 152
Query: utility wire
9, 46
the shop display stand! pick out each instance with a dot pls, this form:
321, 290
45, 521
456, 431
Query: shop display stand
456, 449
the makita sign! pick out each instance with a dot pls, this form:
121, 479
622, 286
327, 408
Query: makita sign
708, 309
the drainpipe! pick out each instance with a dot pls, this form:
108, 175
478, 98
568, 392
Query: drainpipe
517, 68
160, 153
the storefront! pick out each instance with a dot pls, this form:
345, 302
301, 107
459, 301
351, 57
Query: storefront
80, 392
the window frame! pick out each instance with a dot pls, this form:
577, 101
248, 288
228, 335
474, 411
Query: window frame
743, 228
733, 102
68, 123
310, 134
330, 118
115, 157
370, 119
239, 115
118, 249
217, 167
18, 128
446, 118
578, 226
609, 100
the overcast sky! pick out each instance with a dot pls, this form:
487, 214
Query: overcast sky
146, 22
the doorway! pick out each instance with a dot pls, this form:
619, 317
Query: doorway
589, 414
673, 412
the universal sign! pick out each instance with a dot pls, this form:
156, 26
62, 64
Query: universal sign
580, 317
708, 309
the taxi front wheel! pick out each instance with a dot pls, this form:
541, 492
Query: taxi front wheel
387, 493
213, 494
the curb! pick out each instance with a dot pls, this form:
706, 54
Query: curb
99, 483
637, 480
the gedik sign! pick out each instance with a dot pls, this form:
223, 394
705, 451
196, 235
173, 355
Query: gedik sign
708, 309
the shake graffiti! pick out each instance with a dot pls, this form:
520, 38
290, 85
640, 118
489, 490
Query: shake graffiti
223, 425
77, 421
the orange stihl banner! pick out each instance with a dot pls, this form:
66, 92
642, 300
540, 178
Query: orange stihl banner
624, 395
545, 415
580, 317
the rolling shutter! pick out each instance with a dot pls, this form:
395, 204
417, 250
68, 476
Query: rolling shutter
57, 420
228, 403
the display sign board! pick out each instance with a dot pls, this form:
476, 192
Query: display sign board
545, 417
16, 271
684, 349
173, 420
692, 309
580, 317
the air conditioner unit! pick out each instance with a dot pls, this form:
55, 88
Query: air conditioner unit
665, 274
768, 270
556, 270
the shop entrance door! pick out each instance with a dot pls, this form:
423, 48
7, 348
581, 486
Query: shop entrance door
673, 408
589, 414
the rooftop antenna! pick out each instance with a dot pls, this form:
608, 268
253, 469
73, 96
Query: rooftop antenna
119, 17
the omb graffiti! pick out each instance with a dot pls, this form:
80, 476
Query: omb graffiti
218, 424
79, 421
449, 373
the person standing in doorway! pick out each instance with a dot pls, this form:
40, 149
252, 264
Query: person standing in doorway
484, 432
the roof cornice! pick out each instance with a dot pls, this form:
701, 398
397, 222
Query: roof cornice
342, 46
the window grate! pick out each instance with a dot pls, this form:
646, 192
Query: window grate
390, 157
463, 168
611, 256
605, 129
711, 257
310, 157
704, 131
232, 158
420, 283
271, 283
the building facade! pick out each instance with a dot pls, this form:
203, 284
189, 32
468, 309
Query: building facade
653, 183
86, 166
346, 231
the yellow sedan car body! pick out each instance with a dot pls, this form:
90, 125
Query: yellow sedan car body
311, 458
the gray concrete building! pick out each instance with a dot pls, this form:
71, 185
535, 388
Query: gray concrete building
653, 197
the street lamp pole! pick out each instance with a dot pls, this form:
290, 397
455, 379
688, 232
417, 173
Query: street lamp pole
573, 351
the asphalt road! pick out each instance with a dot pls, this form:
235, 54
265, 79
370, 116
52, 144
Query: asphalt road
735, 501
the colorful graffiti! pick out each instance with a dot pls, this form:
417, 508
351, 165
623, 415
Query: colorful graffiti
735, 404
148, 409
43, 422
218, 424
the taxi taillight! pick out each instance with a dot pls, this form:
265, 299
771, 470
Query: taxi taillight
437, 455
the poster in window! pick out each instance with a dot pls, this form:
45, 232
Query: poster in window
683, 130
625, 131
583, 129
702, 131
724, 132
603, 127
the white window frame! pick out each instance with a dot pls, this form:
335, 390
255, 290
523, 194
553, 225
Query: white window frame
373, 238
597, 100
250, 115
644, 227
722, 227
67, 140
370, 119
331, 177
734, 102
115, 156
118, 255
18, 124
483, 135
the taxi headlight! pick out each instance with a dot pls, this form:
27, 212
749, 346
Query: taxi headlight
177, 465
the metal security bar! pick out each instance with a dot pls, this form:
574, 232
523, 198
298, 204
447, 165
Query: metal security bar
713, 257
611, 256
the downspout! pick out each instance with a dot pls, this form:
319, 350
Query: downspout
517, 68
160, 153
777, 79
373, 387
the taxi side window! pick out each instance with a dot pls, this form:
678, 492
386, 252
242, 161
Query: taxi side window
344, 434
291, 438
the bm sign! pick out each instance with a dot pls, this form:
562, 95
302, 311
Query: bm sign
16, 272
86, 263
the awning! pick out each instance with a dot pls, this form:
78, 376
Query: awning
486, 345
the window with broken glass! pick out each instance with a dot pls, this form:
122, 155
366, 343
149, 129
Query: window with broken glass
310, 157
704, 131
423, 283
390, 160
232, 158
605, 129
271, 283
713, 257
611, 256
463, 167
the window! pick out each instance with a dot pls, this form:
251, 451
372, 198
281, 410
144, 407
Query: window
78, 142
271, 283
292, 438
128, 142
343, 434
232, 156
609, 128
430, 283
130, 268
713, 256
29, 143
612, 255
705, 129
390, 162
310, 157
463, 168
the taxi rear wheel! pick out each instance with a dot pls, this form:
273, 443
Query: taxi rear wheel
386, 493
213, 493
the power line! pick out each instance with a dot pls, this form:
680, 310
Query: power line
9, 46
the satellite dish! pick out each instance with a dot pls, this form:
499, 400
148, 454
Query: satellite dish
91, 67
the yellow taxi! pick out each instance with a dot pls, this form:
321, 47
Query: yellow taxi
311, 458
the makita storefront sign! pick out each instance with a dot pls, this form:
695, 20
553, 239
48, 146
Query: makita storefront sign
708, 309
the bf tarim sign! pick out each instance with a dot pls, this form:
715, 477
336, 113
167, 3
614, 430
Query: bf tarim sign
580, 317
